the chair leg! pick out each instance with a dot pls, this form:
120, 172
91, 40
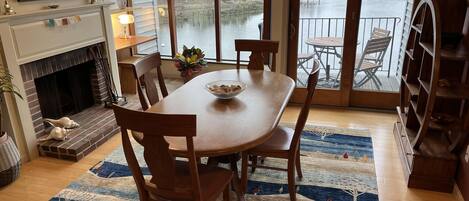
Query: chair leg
376, 82
291, 179
226, 193
244, 172
254, 163
363, 80
298, 165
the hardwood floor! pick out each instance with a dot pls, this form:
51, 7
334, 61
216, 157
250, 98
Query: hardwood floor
44, 177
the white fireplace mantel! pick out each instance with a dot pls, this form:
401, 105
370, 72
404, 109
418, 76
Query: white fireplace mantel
25, 38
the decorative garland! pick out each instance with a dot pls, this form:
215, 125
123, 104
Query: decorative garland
60, 22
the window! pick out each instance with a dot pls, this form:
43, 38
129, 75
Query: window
240, 20
194, 23
151, 18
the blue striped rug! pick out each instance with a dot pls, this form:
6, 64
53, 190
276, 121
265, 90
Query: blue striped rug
337, 166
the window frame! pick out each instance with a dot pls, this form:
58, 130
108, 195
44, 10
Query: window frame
218, 37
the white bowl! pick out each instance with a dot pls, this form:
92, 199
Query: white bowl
219, 90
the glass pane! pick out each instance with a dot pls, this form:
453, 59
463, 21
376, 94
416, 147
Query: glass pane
377, 66
151, 18
195, 25
321, 36
240, 19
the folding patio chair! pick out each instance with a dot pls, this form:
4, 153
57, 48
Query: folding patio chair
371, 60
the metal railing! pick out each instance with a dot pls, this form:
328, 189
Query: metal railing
335, 27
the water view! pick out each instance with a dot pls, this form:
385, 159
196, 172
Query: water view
241, 19
195, 25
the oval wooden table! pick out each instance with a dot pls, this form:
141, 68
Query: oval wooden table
229, 126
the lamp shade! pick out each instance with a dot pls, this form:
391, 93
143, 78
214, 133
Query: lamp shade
126, 19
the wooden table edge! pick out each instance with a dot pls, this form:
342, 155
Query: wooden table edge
250, 145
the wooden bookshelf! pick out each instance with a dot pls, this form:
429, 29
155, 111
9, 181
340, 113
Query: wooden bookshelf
433, 109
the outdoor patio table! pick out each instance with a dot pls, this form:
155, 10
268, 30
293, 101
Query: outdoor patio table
327, 45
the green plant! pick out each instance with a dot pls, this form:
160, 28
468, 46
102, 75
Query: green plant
191, 60
6, 86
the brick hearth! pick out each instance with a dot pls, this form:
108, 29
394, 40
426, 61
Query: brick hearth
97, 125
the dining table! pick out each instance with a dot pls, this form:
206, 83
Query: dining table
226, 127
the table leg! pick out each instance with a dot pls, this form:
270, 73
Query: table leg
328, 72
236, 182
233, 160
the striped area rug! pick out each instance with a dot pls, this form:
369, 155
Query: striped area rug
337, 165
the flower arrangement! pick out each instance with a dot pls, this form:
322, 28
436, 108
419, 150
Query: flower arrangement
190, 61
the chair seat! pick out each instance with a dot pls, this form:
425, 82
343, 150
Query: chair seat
213, 181
138, 136
305, 56
366, 65
130, 60
278, 144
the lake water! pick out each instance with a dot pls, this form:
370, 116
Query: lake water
199, 31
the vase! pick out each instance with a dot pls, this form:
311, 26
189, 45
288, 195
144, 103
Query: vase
9, 160
188, 76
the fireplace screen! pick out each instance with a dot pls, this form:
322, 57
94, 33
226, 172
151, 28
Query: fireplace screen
65, 92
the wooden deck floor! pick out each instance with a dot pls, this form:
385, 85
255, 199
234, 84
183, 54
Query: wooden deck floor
390, 83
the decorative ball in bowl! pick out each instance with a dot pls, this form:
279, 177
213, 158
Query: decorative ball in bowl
225, 89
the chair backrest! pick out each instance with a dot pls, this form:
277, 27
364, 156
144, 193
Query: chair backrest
380, 33
376, 47
303, 117
160, 161
260, 49
143, 71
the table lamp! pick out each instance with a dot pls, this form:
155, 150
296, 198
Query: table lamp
125, 20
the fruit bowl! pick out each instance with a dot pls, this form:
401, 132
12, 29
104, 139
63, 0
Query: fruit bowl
225, 89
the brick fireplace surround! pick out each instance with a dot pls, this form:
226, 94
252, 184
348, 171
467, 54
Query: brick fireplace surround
47, 66
97, 123
30, 49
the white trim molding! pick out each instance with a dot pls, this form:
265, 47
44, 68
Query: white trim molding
24, 38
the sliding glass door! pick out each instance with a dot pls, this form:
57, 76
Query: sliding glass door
382, 36
322, 31
357, 44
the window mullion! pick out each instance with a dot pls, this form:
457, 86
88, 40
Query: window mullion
267, 20
217, 30
172, 27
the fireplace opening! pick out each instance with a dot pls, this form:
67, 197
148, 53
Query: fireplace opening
66, 92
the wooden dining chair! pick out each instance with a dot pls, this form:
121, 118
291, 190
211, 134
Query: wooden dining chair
171, 179
285, 142
260, 50
143, 68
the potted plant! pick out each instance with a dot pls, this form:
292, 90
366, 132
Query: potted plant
190, 62
10, 161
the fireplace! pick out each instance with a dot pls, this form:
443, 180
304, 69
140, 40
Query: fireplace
54, 87
66, 92
71, 84
29, 49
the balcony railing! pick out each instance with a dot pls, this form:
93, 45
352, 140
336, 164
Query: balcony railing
334, 27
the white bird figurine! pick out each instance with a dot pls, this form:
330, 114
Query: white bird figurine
56, 133
63, 122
